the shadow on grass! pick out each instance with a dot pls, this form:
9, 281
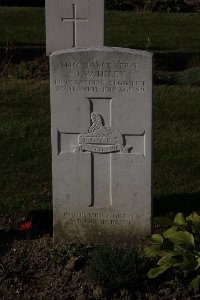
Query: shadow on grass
42, 220
185, 203
22, 52
42, 224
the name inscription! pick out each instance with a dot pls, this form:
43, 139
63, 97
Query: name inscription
103, 77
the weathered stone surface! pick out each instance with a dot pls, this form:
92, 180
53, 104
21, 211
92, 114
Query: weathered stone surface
74, 23
101, 103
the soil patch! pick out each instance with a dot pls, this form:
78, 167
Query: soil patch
39, 269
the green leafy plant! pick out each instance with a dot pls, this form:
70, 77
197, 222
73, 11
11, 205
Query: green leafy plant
178, 247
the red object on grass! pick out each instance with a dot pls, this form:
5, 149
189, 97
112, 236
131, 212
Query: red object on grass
26, 225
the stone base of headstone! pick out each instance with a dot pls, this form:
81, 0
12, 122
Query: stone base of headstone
98, 228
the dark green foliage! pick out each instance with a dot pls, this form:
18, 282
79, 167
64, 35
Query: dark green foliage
114, 268
189, 77
112, 4
167, 6
123, 4
151, 5
178, 247
26, 3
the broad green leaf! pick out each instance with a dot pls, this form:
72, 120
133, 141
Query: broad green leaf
181, 237
195, 229
194, 217
163, 221
180, 219
179, 248
169, 231
167, 245
155, 272
198, 263
157, 238
171, 260
153, 250
189, 262
194, 284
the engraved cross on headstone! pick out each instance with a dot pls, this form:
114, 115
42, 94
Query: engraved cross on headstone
74, 20
101, 163
74, 23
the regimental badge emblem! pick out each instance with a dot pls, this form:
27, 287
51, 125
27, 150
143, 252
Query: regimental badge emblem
102, 139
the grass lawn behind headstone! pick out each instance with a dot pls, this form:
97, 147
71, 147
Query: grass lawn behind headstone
157, 31
21, 26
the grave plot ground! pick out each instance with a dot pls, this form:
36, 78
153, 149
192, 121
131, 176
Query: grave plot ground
37, 269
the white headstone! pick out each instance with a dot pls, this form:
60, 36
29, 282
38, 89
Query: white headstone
101, 103
74, 23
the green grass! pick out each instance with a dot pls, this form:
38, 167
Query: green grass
20, 26
176, 140
25, 151
156, 31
